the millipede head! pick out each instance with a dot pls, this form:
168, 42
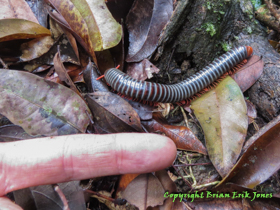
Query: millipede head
249, 51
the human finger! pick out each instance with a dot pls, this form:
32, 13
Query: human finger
82, 156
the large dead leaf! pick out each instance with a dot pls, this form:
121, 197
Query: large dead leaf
142, 70
16, 9
222, 114
21, 29
40, 106
112, 114
261, 158
144, 22
249, 73
145, 190
182, 136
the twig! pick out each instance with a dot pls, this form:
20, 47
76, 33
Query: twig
185, 117
178, 172
5, 66
62, 197
193, 164
115, 201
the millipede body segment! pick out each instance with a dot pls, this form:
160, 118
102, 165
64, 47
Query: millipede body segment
150, 91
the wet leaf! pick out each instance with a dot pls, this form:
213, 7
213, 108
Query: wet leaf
35, 48
13, 133
261, 158
112, 114
249, 73
40, 106
145, 190
12, 29
16, 9
182, 136
142, 70
144, 22
222, 114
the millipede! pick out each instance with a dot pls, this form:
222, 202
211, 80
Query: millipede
155, 92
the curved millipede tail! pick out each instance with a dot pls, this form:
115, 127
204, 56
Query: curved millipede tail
150, 91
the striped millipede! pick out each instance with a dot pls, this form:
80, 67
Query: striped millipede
150, 91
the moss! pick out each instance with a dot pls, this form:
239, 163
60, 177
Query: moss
210, 28
226, 47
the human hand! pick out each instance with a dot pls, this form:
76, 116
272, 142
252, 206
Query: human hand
65, 158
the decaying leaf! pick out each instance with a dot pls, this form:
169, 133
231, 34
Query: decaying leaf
67, 55
142, 70
222, 113
144, 22
35, 48
145, 190
16, 9
261, 158
112, 114
12, 29
182, 136
40, 106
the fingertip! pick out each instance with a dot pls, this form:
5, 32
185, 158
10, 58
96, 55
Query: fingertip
147, 153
